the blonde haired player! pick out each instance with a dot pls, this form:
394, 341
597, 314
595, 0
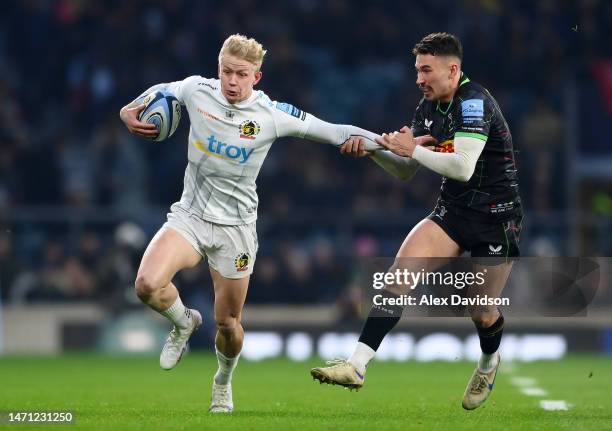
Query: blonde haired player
232, 129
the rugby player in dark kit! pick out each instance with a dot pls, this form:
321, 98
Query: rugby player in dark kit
458, 131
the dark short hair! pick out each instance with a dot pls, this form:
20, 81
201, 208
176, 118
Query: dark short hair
443, 44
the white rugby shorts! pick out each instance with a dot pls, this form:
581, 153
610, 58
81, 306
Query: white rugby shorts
231, 250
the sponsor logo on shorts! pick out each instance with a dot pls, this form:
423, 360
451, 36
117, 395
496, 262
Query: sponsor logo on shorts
242, 262
501, 207
249, 129
495, 249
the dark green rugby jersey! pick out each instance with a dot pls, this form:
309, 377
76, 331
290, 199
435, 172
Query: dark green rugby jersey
492, 193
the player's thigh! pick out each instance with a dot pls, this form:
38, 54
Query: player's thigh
426, 240
167, 253
230, 295
427, 247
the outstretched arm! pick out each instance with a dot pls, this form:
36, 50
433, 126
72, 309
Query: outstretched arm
403, 168
292, 121
338, 134
458, 165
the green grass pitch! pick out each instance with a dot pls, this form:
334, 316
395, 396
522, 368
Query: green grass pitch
133, 393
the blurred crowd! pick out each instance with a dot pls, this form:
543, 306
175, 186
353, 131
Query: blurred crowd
77, 191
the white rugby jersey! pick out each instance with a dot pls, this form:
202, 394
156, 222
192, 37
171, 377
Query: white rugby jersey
228, 144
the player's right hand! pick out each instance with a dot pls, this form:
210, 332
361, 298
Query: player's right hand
129, 116
355, 147
426, 141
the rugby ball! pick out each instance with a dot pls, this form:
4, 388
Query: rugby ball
164, 111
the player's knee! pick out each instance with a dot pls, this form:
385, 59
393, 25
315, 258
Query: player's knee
146, 285
227, 325
484, 318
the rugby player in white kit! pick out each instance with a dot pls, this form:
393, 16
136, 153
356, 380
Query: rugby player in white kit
232, 129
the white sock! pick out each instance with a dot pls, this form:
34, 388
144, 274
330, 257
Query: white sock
487, 362
361, 356
178, 314
226, 368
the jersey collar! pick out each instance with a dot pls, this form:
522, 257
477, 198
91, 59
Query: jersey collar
462, 80
254, 95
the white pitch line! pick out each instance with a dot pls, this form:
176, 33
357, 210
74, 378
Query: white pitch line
534, 392
553, 405
523, 381
528, 387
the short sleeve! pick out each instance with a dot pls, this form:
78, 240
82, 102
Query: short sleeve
183, 90
476, 114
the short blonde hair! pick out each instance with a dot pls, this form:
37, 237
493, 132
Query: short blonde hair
242, 47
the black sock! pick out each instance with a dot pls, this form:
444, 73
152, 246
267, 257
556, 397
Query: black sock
381, 320
490, 337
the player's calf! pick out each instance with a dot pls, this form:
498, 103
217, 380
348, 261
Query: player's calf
230, 335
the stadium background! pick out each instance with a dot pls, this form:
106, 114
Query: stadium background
80, 197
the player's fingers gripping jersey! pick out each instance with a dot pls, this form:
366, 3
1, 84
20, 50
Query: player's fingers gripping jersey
481, 238
231, 249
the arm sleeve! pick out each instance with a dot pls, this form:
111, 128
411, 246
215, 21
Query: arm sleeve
459, 165
403, 168
400, 167
338, 134
291, 121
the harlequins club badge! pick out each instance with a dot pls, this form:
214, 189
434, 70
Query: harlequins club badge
242, 261
249, 129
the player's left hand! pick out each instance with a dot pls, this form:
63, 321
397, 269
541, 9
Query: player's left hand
355, 146
401, 143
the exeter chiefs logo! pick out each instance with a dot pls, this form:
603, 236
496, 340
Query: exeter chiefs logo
242, 262
249, 129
